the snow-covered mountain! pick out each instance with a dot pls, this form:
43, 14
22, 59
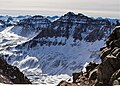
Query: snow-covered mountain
31, 26
38, 46
52, 18
6, 21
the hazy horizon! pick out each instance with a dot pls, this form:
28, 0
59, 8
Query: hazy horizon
93, 8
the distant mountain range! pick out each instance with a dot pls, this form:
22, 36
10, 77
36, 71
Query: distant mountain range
53, 45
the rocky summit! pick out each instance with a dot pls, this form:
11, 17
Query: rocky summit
107, 73
11, 74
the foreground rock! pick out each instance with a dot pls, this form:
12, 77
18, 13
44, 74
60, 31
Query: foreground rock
63, 83
83, 79
108, 70
107, 73
11, 74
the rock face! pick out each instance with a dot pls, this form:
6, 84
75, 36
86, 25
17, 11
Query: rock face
83, 79
11, 74
108, 70
5, 80
77, 26
107, 73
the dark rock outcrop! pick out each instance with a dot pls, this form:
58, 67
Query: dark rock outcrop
109, 68
5, 80
64, 83
11, 74
83, 79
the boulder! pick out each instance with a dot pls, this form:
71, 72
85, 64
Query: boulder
75, 77
115, 78
108, 70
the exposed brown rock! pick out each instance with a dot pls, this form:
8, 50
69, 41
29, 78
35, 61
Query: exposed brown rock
64, 83
5, 80
110, 59
11, 74
75, 77
83, 79
115, 78
104, 53
93, 74
90, 67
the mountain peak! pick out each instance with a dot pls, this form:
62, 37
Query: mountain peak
80, 14
71, 13
38, 17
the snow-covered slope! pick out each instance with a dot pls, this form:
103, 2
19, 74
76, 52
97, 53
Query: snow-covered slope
59, 59
2, 25
52, 18
6, 21
63, 46
9, 40
31, 26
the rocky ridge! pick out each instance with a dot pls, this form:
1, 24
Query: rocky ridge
11, 74
29, 27
76, 26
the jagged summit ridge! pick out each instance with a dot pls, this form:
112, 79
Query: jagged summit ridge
75, 26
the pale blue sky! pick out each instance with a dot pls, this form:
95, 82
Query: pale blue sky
105, 8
